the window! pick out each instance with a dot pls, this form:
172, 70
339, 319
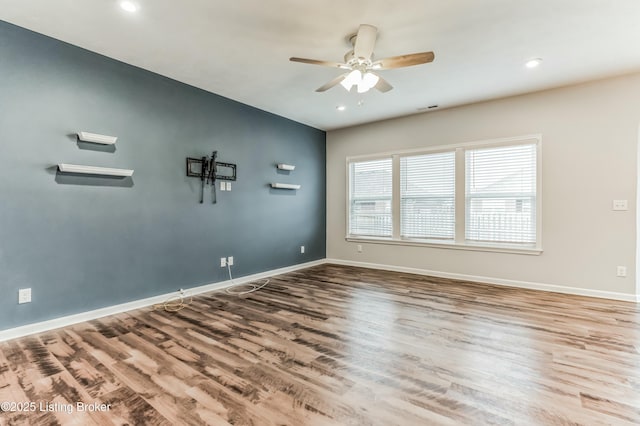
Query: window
370, 198
427, 196
480, 196
501, 194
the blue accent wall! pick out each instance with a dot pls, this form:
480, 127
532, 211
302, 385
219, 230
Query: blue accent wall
83, 243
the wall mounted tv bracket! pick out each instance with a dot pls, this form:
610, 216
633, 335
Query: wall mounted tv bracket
207, 170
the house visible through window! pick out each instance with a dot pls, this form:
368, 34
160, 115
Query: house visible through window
370, 200
501, 194
498, 187
427, 196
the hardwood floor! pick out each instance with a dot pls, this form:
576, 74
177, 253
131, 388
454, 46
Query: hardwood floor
335, 345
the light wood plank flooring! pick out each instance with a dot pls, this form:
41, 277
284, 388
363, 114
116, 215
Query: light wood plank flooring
335, 345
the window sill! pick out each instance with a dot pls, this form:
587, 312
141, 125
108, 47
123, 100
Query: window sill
452, 246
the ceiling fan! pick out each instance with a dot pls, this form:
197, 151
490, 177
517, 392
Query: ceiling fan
360, 63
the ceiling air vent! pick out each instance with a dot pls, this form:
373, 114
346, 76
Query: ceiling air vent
427, 108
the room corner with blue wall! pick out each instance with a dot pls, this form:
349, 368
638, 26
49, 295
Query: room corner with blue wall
86, 242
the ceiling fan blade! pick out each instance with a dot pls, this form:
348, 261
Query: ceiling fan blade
318, 62
382, 85
403, 61
332, 83
365, 40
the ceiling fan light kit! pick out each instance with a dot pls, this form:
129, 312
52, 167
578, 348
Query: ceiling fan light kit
360, 65
365, 82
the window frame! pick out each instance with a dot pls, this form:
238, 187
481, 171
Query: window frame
435, 240
459, 242
350, 186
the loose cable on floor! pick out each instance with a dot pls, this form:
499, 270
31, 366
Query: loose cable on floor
174, 304
177, 303
250, 286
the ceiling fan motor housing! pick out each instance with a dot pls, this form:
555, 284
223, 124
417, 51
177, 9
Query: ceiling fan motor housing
355, 63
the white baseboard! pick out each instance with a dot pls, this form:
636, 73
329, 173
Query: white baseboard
39, 327
497, 281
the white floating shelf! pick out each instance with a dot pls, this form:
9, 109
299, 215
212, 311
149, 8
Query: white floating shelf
96, 138
284, 186
93, 170
282, 166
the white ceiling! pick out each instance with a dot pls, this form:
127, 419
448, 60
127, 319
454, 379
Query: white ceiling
240, 48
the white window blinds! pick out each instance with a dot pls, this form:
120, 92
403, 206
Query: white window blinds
427, 196
501, 194
370, 198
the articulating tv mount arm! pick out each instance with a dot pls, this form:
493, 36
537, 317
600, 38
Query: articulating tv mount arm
206, 169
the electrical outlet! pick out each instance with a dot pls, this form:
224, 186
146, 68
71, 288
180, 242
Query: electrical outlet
230, 261
24, 295
622, 271
223, 262
620, 205
228, 186
359, 248
302, 249
223, 186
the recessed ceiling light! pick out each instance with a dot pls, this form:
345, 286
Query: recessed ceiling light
532, 63
341, 107
129, 6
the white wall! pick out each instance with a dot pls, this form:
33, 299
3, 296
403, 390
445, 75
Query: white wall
589, 158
